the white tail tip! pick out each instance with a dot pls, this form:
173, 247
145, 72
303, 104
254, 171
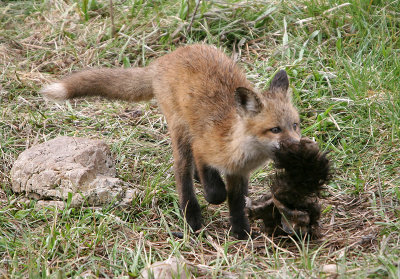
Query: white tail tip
55, 91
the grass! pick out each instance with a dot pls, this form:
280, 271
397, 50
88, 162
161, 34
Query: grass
343, 58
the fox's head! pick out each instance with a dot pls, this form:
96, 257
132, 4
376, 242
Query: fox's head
267, 118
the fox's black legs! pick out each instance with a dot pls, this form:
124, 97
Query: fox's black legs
183, 167
237, 190
214, 186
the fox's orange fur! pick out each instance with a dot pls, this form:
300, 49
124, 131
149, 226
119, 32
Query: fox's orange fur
218, 122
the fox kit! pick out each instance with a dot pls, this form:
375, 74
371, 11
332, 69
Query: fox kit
217, 121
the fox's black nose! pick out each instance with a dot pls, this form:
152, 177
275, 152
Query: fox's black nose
290, 140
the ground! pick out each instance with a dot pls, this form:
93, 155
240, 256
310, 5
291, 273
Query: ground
343, 59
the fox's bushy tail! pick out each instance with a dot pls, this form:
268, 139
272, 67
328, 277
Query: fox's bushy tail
134, 84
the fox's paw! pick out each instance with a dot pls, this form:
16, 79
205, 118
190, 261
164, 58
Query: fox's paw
214, 186
241, 230
215, 195
241, 234
194, 223
192, 214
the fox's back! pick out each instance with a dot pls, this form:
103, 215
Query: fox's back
198, 83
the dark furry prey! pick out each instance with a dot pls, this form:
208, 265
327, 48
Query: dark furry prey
292, 205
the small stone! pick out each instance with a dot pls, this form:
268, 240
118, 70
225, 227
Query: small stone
171, 268
330, 268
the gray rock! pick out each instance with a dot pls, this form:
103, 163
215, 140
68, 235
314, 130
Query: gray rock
170, 269
80, 166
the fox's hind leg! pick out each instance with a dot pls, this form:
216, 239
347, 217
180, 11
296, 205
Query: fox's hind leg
183, 168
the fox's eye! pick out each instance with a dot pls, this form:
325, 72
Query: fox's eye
295, 126
276, 130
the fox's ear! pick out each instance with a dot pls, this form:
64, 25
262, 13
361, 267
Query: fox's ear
280, 82
247, 101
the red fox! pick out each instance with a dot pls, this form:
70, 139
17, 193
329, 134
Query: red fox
219, 124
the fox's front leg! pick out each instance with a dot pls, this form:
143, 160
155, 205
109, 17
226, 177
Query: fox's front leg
237, 190
183, 168
214, 186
